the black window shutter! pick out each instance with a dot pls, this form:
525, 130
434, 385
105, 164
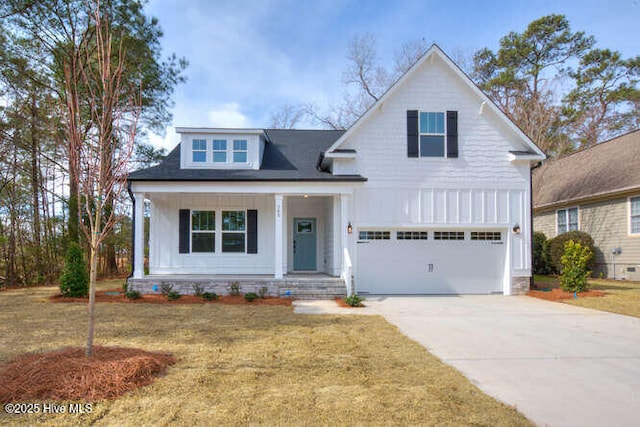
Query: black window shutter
452, 134
412, 133
252, 231
183, 229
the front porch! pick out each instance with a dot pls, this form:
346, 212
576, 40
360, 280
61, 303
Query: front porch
299, 286
293, 243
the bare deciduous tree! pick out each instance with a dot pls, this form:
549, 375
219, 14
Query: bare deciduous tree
104, 151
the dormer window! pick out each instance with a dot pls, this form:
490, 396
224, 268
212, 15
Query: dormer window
199, 148
230, 149
239, 151
219, 151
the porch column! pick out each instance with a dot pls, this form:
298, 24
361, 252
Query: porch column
278, 236
138, 238
344, 223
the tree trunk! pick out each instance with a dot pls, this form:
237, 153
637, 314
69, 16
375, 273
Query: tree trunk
93, 275
35, 189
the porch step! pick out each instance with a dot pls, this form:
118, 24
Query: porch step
299, 287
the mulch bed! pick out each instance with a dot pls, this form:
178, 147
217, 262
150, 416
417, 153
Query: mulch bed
343, 304
116, 295
557, 294
68, 375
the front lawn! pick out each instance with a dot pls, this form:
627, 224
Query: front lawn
253, 365
622, 297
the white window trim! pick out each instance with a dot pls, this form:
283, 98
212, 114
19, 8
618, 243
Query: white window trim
246, 151
205, 151
214, 231
221, 252
444, 135
566, 213
631, 234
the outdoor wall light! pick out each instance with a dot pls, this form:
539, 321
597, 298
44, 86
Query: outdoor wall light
516, 229
349, 228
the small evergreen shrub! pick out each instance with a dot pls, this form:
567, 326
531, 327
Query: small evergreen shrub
540, 253
209, 296
575, 270
133, 295
173, 295
354, 300
556, 248
234, 289
250, 296
74, 281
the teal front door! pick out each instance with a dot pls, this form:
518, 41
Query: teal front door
304, 244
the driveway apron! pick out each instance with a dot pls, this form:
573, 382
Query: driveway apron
558, 364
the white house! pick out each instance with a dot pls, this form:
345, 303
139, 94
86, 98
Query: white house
429, 192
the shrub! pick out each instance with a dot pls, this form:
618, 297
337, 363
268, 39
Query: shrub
74, 281
133, 295
197, 289
540, 253
263, 292
173, 295
354, 300
234, 289
166, 288
556, 248
250, 296
209, 296
575, 271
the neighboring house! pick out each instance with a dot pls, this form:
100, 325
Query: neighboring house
595, 190
427, 193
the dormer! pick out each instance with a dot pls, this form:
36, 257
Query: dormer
212, 148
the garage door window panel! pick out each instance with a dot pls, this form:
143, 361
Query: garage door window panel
448, 235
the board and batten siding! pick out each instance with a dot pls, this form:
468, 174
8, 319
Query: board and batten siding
164, 257
607, 221
479, 188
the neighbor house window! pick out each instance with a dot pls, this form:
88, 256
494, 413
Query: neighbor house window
219, 151
203, 236
233, 231
567, 220
432, 134
635, 215
199, 149
240, 151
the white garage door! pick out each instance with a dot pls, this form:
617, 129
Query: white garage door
430, 261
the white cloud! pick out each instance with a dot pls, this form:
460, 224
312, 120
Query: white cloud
168, 141
227, 116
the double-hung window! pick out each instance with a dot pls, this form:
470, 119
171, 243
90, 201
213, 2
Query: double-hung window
432, 134
567, 220
233, 231
199, 150
634, 220
219, 151
239, 151
203, 226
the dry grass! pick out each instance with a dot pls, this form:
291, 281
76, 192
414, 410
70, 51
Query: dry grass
253, 365
620, 297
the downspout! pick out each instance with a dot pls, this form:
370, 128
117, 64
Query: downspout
133, 229
531, 281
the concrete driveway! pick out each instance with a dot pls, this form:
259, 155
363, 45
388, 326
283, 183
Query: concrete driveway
559, 365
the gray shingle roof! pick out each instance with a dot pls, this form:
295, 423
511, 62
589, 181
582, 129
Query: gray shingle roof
289, 155
608, 168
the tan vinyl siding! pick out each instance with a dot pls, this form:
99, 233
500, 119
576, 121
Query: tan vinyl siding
545, 222
607, 221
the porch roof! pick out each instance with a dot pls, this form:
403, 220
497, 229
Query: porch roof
289, 155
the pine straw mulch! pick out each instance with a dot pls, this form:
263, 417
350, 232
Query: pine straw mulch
68, 375
116, 295
341, 303
557, 294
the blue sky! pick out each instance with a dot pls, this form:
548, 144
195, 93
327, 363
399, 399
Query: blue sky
249, 58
